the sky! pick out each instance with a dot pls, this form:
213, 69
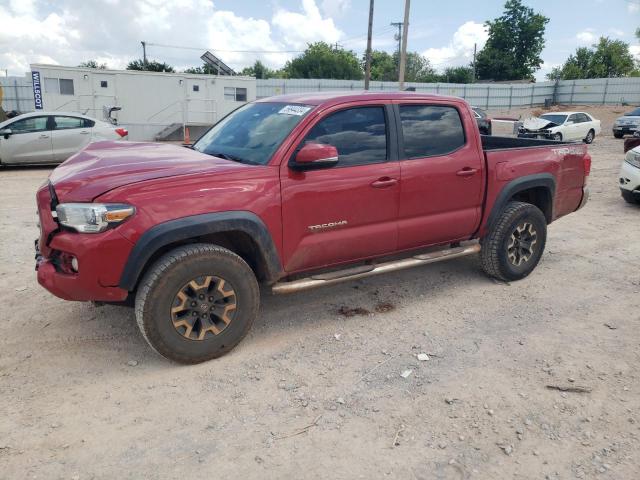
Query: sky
67, 32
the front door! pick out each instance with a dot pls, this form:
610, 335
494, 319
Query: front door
70, 135
442, 170
29, 142
349, 211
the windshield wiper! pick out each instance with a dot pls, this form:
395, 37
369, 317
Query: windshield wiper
233, 158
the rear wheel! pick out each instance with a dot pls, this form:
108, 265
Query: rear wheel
514, 246
618, 135
196, 303
590, 136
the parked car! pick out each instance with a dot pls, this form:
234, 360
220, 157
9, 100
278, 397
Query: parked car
561, 126
51, 137
627, 124
483, 121
296, 191
630, 176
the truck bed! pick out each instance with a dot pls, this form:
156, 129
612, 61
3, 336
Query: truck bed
502, 143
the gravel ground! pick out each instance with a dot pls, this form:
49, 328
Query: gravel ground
316, 390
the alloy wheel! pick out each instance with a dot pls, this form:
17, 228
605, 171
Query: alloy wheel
203, 307
521, 246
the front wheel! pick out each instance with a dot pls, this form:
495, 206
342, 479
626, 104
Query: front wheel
557, 137
514, 246
196, 303
618, 135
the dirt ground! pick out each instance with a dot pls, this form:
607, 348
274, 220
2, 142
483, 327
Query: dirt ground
316, 391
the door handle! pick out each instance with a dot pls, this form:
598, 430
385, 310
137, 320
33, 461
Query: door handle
84, 132
384, 182
44, 136
467, 172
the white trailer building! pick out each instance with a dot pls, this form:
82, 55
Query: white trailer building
153, 105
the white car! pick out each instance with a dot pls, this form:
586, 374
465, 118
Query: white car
51, 137
630, 176
568, 126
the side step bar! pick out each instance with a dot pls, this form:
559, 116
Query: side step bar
363, 271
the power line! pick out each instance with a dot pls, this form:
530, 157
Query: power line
183, 47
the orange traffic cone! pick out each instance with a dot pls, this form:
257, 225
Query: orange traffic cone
187, 138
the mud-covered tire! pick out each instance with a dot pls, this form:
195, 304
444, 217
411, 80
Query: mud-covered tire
500, 254
223, 277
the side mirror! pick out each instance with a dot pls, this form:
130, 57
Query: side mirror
6, 133
314, 156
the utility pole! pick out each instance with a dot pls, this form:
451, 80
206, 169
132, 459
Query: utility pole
403, 52
475, 45
398, 37
367, 68
144, 52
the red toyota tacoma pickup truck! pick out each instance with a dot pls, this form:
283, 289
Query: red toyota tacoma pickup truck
294, 192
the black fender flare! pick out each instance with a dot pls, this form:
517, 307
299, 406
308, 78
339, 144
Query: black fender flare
521, 184
194, 226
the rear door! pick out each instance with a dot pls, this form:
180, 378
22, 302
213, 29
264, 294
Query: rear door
29, 142
349, 211
70, 135
442, 171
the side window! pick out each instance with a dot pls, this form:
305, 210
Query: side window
359, 135
583, 117
88, 123
573, 118
430, 130
66, 123
28, 125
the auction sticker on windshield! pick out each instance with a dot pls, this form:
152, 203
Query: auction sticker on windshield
294, 110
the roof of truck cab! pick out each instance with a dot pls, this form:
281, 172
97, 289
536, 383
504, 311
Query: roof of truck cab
334, 98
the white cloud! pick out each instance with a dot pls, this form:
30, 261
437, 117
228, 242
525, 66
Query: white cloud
335, 8
617, 32
633, 7
71, 31
298, 29
460, 50
587, 36
635, 51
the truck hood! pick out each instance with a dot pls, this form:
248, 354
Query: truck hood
103, 166
535, 123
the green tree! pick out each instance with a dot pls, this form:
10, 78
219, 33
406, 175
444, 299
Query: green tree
205, 69
458, 75
607, 58
515, 42
320, 60
383, 66
258, 70
93, 64
611, 58
418, 69
150, 66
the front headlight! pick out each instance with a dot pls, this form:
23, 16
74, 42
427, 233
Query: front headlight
633, 158
93, 217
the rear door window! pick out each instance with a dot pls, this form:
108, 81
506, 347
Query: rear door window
430, 130
66, 123
359, 134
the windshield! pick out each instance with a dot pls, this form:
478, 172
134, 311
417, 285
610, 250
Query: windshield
557, 119
633, 113
253, 132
